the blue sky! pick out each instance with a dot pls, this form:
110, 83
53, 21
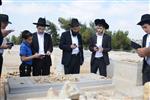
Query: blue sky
119, 14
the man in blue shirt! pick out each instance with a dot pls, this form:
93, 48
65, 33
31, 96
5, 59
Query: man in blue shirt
26, 54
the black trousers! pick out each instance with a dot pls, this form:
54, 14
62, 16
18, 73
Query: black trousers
1, 64
74, 65
99, 63
25, 70
146, 74
41, 67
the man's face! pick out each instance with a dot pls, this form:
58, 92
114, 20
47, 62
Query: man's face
40, 29
4, 25
76, 29
99, 29
146, 28
29, 40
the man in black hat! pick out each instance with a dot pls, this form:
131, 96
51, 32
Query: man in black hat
71, 44
42, 44
100, 45
145, 50
4, 21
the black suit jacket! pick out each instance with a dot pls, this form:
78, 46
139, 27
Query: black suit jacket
106, 44
65, 43
1, 38
48, 46
144, 45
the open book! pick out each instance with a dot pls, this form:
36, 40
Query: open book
135, 45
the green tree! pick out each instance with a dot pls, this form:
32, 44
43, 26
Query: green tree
86, 33
109, 33
52, 29
120, 41
19, 39
64, 23
92, 27
14, 39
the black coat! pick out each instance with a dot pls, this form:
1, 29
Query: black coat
106, 44
48, 46
1, 38
144, 45
65, 43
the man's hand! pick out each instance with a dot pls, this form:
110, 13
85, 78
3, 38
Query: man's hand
36, 55
73, 46
5, 46
48, 53
100, 49
141, 52
96, 48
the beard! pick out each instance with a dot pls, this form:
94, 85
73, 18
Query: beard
75, 33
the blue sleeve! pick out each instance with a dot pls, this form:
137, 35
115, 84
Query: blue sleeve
23, 50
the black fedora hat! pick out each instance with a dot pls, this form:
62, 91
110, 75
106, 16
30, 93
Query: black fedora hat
144, 19
101, 22
74, 22
4, 18
41, 22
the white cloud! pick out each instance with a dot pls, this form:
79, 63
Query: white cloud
28, 8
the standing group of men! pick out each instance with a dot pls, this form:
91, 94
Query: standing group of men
72, 46
36, 48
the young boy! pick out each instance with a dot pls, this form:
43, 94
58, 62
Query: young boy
4, 21
26, 54
144, 51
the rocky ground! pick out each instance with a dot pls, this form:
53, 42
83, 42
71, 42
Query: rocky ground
12, 62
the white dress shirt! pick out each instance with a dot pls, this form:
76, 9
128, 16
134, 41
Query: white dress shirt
74, 41
99, 45
41, 43
148, 45
3, 43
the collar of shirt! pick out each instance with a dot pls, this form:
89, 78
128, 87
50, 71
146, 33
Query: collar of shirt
148, 35
40, 34
74, 38
99, 34
71, 34
148, 40
26, 43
